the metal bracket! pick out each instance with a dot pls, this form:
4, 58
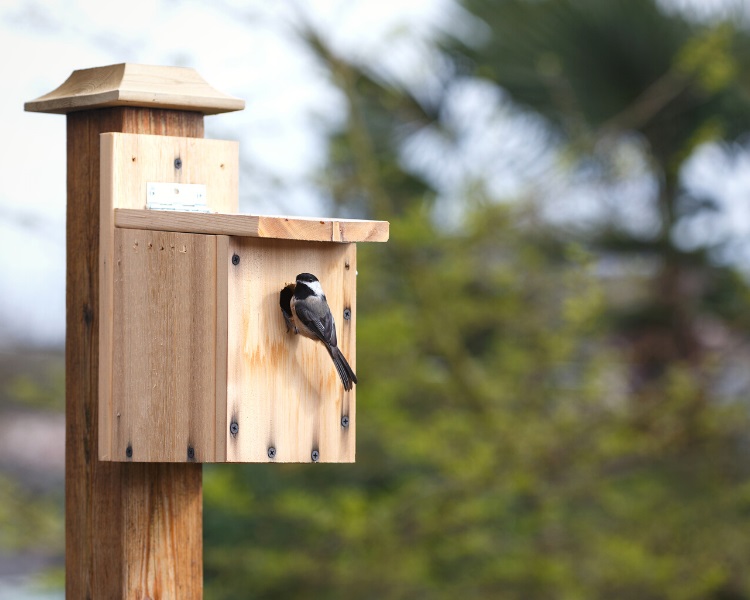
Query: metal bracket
187, 197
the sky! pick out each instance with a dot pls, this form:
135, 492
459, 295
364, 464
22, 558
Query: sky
248, 49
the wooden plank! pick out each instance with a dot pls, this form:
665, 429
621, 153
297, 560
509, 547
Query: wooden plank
129, 162
106, 301
346, 329
288, 228
164, 341
110, 512
282, 389
152, 563
128, 84
222, 334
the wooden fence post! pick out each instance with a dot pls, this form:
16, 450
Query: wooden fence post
133, 530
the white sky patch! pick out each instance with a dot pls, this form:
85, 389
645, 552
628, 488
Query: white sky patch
702, 11
483, 137
719, 172
620, 190
486, 139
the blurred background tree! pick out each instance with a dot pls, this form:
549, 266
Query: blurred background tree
549, 403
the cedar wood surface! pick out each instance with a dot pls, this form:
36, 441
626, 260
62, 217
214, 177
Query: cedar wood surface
128, 84
133, 530
158, 379
262, 226
164, 376
283, 390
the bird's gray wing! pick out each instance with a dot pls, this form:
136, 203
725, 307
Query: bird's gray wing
323, 327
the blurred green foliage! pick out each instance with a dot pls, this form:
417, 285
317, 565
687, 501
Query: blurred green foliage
38, 390
525, 430
29, 521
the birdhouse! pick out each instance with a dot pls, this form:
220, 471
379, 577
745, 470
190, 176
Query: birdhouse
196, 362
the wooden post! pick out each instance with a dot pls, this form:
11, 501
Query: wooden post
133, 530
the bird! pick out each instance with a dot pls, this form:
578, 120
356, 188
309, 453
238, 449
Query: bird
305, 310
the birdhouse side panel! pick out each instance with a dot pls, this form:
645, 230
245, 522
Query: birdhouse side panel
285, 401
164, 347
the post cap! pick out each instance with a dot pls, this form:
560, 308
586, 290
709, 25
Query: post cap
126, 84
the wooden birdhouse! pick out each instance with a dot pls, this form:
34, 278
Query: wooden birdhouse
195, 359
176, 348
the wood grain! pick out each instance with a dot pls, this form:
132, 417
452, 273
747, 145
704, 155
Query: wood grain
129, 84
288, 228
282, 389
164, 344
111, 509
129, 162
153, 564
221, 422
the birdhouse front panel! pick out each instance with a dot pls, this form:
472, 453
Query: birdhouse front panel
285, 400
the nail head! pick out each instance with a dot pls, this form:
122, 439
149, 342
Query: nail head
235, 259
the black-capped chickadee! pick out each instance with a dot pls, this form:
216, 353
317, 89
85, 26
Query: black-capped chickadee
306, 311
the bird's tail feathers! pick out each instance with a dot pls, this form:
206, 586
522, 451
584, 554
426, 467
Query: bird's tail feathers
348, 378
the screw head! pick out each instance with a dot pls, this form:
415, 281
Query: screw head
235, 259
345, 421
191, 453
271, 452
347, 313
129, 451
315, 455
234, 428
177, 163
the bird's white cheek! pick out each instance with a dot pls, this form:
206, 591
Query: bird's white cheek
316, 287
